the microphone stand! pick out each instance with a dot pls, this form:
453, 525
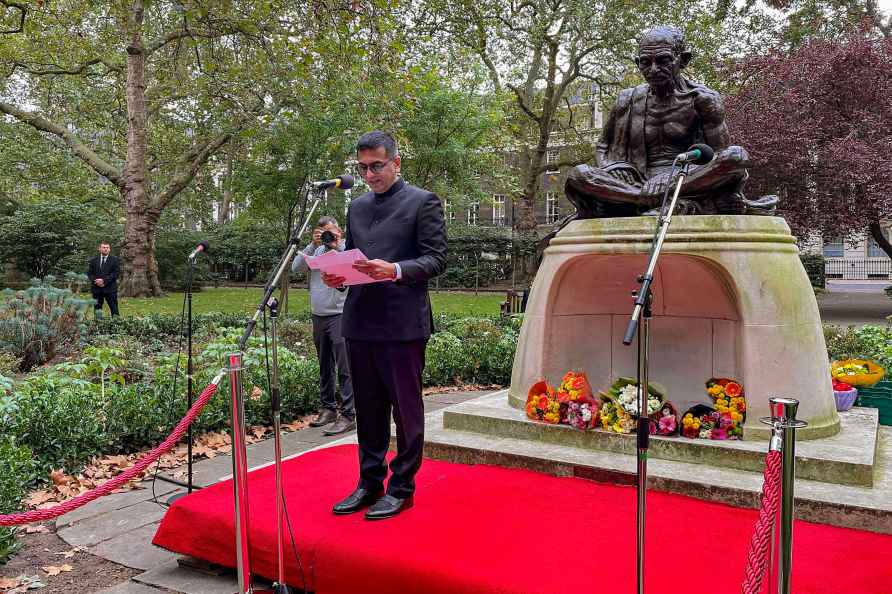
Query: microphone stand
240, 473
190, 392
642, 310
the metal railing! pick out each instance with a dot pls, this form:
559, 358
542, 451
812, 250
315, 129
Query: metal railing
863, 269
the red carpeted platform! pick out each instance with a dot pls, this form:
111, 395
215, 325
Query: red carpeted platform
484, 529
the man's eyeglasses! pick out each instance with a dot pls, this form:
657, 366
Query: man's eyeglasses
376, 167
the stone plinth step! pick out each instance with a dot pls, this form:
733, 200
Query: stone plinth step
867, 508
847, 458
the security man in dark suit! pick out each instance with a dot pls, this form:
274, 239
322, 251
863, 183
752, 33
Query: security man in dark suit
103, 273
387, 324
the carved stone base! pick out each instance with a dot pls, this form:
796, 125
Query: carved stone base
731, 299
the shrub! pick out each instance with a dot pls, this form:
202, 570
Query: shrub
446, 360
40, 322
865, 342
16, 474
814, 267
166, 326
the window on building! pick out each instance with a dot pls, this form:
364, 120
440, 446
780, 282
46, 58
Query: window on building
473, 212
874, 250
834, 249
552, 207
498, 210
448, 210
552, 156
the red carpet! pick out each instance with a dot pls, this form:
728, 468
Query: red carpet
484, 529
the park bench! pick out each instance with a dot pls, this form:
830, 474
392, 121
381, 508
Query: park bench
515, 302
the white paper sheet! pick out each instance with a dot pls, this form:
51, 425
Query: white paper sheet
341, 264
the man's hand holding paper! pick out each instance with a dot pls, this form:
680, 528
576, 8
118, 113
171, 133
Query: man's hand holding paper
351, 268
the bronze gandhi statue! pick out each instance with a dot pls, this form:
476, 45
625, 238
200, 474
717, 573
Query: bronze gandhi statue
648, 126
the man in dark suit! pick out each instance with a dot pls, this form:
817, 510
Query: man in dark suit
387, 324
103, 273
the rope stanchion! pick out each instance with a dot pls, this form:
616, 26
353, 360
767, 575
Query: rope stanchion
42, 515
758, 557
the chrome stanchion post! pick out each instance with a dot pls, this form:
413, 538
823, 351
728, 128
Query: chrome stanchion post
784, 409
240, 474
280, 586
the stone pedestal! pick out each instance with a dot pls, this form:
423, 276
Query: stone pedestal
731, 299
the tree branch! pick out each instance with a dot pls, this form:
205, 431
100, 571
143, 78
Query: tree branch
74, 70
523, 106
77, 147
190, 164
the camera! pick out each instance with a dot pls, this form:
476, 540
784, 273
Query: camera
328, 239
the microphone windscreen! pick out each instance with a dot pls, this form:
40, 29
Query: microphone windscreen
346, 181
706, 153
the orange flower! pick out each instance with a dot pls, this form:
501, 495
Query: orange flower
733, 389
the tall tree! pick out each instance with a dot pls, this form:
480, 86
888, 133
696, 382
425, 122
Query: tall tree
146, 92
816, 123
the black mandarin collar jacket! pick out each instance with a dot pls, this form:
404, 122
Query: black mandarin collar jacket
404, 225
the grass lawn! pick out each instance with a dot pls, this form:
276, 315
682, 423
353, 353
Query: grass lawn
245, 300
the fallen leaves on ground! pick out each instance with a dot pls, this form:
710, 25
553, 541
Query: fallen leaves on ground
460, 388
65, 486
21, 584
56, 569
36, 529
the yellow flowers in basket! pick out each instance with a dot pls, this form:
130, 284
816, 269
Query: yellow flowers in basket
860, 373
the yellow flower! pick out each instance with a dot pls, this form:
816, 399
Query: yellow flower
715, 390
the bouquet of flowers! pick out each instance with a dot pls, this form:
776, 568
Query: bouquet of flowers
704, 422
575, 388
730, 403
614, 418
542, 405
624, 392
583, 415
664, 421
699, 421
859, 373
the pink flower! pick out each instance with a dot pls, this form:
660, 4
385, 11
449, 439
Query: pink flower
719, 433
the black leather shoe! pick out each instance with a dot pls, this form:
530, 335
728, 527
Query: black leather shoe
388, 506
324, 418
356, 500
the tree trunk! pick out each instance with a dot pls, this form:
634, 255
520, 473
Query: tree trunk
139, 274
876, 231
140, 270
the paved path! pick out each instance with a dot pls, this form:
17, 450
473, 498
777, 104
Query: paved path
854, 308
120, 527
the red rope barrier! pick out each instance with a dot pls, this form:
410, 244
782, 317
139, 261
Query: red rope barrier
41, 515
757, 559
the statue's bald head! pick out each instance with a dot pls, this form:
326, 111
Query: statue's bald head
664, 35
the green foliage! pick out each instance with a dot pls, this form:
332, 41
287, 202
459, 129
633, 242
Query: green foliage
160, 326
865, 342
41, 322
470, 350
16, 474
814, 267
39, 236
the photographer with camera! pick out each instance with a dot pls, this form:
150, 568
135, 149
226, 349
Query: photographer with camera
327, 305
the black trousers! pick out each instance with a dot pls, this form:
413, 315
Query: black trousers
111, 298
332, 353
387, 377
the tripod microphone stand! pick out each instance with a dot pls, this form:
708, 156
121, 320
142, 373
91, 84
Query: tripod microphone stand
190, 389
240, 469
700, 154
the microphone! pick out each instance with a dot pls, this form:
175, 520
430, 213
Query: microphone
342, 182
202, 247
698, 154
